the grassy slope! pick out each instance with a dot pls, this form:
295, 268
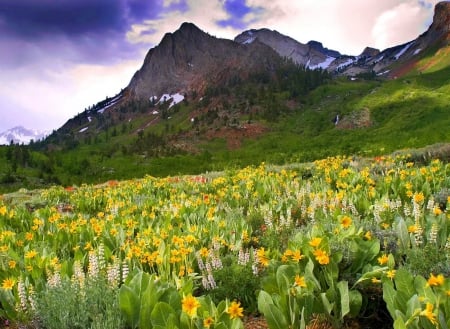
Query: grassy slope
409, 112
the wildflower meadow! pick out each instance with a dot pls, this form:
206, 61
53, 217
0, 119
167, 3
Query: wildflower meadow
332, 241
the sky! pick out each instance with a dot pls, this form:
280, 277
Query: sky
60, 56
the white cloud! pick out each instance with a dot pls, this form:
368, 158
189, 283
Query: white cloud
399, 25
48, 94
47, 101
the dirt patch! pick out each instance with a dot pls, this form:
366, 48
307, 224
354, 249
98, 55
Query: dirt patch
236, 135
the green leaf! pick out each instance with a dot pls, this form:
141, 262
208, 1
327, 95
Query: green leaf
285, 277
345, 299
129, 304
424, 290
275, 318
402, 233
404, 281
399, 323
328, 307
264, 299
389, 296
355, 302
163, 316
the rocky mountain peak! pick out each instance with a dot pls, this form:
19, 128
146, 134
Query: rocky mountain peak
441, 21
369, 52
190, 59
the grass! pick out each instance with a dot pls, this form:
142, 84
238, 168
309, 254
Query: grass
409, 112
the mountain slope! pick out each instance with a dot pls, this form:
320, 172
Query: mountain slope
190, 60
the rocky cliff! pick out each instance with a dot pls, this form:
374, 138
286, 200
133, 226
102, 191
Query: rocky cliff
190, 60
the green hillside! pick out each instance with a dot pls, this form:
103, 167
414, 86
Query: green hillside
281, 119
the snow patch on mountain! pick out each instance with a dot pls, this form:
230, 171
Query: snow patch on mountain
322, 65
21, 135
176, 98
403, 50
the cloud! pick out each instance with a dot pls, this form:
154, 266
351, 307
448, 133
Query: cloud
400, 24
60, 56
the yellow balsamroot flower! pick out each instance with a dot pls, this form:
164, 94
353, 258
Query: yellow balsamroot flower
412, 228
235, 310
428, 313
3, 210
436, 280
418, 197
300, 281
390, 274
30, 254
297, 255
263, 259
208, 322
8, 284
190, 305
315, 242
321, 256
437, 211
382, 260
376, 280
346, 221
368, 235
12, 264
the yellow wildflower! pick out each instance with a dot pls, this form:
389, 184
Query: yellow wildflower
208, 322
235, 310
190, 305
382, 260
30, 254
322, 257
8, 284
390, 274
346, 221
300, 281
297, 256
315, 242
428, 313
418, 197
436, 280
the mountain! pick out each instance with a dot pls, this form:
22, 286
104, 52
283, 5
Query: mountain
21, 135
191, 60
200, 103
312, 55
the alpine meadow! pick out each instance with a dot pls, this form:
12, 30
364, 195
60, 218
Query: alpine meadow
250, 183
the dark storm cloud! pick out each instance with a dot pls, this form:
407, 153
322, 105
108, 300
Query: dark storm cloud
91, 31
29, 19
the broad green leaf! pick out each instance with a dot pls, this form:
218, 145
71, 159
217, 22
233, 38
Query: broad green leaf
264, 299
355, 302
402, 233
285, 278
399, 324
412, 306
328, 307
344, 298
404, 282
275, 318
163, 316
389, 296
129, 304
424, 290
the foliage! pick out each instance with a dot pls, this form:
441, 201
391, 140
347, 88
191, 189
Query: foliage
337, 233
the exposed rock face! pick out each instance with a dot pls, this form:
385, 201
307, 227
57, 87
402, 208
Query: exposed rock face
369, 52
312, 54
190, 59
440, 29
